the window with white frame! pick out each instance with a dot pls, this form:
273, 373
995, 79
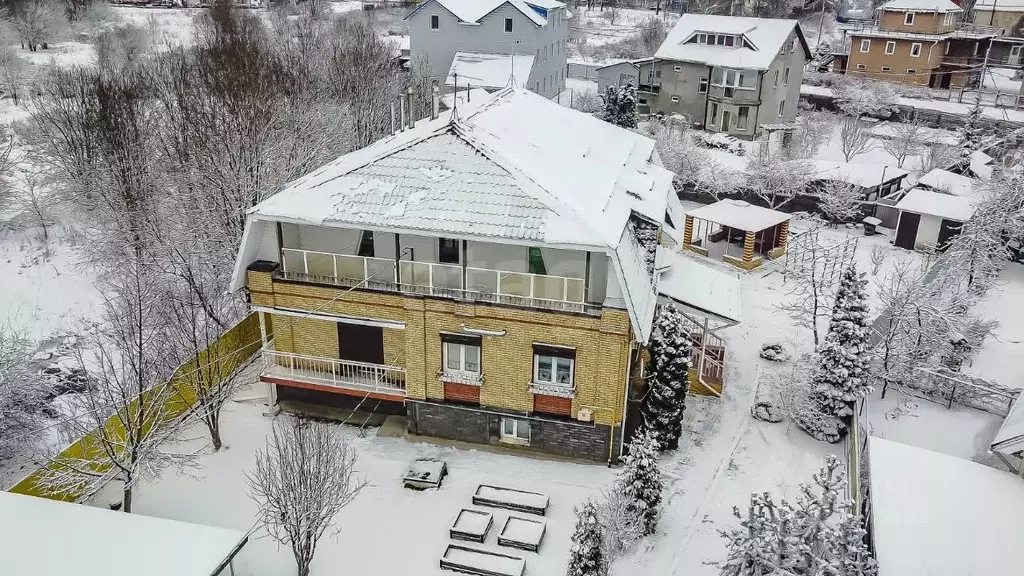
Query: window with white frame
515, 430
782, 108
461, 356
792, 45
677, 68
911, 70
714, 114
886, 68
1015, 51
785, 77
435, 21
915, 49
890, 47
865, 45
508, 25
554, 366
776, 83
908, 18
702, 86
741, 118
861, 67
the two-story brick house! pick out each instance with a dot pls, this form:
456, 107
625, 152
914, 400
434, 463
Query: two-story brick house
919, 42
492, 32
490, 278
726, 74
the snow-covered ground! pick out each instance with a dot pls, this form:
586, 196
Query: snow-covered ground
385, 518
1003, 80
598, 28
999, 356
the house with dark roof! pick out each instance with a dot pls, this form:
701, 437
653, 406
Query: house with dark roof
491, 44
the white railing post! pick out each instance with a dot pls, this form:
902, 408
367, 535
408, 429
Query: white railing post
305, 263
565, 289
366, 269
430, 277
334, 260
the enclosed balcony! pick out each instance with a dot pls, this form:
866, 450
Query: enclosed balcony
559, 280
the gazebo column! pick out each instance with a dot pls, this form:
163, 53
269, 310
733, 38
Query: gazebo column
688, 232
783, 241
748, 246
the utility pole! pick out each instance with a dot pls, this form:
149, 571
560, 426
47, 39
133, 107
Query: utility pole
821, 25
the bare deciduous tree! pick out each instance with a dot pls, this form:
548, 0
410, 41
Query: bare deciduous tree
14, 73
905, 141
854, 137
36, 202
839, 201
36, 21
777, 178
303, 478
22, 398
124, 419
938, 155
878, 254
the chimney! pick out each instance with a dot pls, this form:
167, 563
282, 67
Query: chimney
392, 118
401, 106
435, 103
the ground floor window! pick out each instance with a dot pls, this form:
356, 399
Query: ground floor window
515, 430
741, 118
714, 114
553, 365
461, 355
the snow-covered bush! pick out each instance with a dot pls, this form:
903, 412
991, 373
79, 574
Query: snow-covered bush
718, 141
620, 106
766, 411
585, 555
663, 406
22, 398
640, 479
774, 350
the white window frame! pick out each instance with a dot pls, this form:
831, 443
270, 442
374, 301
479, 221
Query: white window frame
911, 70
450, 349
746, 120
675, 99
509, 26
916, 45
908, 19
782, 108
555, 361
865, 44
776, 83
701, 38
736, 78
515, 430
702, 85
714, 114
677, 68
890, 47
435, 19
886, 68
861, 67
1015, 50
785, 77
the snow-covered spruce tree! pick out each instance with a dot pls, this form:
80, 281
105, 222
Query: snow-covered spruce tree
611, 105
809, 534
627, 106
640, 479
585, 557
841, 376
973, 131
663, 406
755, 548
850, 555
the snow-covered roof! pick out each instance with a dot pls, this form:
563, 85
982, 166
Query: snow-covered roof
945, 181
490, 71
46, 537
701, 286
981, 164
740, 215
863, 175
516, 168
1010, 437
472, 11
938, 515
1000, 5
921, 6
767, 35
946, 206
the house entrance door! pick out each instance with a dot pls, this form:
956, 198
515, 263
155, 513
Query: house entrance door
361, 343
726, 120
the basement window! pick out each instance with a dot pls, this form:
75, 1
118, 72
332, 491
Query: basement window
515, 431
861, 67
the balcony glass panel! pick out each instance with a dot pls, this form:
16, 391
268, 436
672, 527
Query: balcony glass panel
448, 276
293, 261
485, 281
319, 264
515, 284
380, 270
549, 288
575, 290
350, 267
416, 273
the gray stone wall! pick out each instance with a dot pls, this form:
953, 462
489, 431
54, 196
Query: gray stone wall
552, 436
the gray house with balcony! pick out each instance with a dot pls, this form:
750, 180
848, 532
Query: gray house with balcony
491, 44
726, 74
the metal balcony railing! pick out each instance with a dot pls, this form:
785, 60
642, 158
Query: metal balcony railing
433, 279
344, 374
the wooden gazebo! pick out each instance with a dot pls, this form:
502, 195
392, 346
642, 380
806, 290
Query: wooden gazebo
712, 230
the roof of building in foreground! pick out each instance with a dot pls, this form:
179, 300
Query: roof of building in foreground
937, 515
767, 35
515, 168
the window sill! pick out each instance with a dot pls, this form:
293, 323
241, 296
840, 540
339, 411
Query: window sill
548, 389
514, 441
469, 378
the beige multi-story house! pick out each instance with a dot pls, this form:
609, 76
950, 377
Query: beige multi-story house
1008, 16
490, 275
920, 42
726, 74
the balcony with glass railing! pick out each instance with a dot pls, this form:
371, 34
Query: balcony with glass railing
458, 281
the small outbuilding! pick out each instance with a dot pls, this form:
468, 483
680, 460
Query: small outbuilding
1008, 444
871, 181
939, 180
736, 231
929, 220
932, 514
45, 537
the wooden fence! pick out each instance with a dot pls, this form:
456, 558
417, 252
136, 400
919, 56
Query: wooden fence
219, 362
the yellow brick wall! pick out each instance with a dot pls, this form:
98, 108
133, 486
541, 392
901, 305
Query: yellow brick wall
602, 343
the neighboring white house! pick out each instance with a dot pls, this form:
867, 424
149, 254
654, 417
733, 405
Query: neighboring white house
727, 74
489, 33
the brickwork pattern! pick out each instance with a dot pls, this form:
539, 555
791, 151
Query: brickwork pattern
556, 405
455, 392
